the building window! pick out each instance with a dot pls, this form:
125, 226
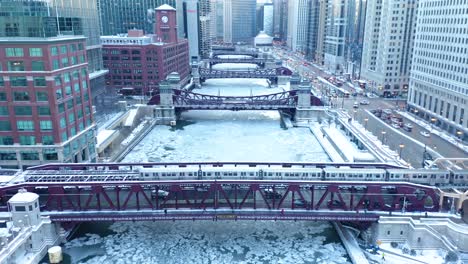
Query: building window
55, 65
48, 140
6, 140
80, 46
37, 65
4, 110
63, 122
35, 52
63, 49
64, 62
73, 47
53, 51
3, 97
73, 131
82, 58
43, 110
66, 77
42, 97
76, 86
73, 60
61, 108
46, 125
40, 81
21, 96
2, 82
50, 154
23, 110
15, 66
76, 75
25, 125
70, 104
59, 94
5, 126
27, 140
20, 208
14, 52
64, 138
29, 155
7, 155
18, 81
58, 80
68, 90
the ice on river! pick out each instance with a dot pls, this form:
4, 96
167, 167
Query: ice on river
218, 242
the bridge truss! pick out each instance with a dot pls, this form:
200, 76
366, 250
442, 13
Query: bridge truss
248, 199
218, 53
258, 61
187, 100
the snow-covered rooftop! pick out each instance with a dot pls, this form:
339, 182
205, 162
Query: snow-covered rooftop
165, 7
24, 197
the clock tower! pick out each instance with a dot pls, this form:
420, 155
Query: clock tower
165, 26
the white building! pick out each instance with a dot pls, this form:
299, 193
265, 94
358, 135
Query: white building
27, 237
388, 43
298, 22
439, 76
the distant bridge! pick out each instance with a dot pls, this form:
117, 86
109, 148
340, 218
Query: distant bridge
218, 53
258, 61
271, 74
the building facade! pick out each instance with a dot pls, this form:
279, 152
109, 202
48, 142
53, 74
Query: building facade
298, 25
45, 103
139, 62
335, 36
313, 33
439, 75
320, 46
280, 18
121, 15
388, 45
239, 21
51, 18
268, 19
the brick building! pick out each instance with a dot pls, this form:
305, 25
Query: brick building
138, 62
45, 105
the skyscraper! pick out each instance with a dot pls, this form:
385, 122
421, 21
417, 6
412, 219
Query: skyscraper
239, 21
298, 25
45, 98
194, 23
121, 15
335, 35
268, 19
280, 18
313, 33
388, 44
439, 72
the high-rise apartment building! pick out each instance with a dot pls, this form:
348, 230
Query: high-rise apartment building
45, 77
439, 74
280, 19
320, 46
388, 45
219, 19
118, 16
313, 25
239, 21
298, 25
335, 35
268, 18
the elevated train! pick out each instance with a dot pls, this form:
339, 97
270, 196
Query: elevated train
326, 171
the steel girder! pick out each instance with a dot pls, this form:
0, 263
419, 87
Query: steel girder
184, 99
255, 74
315, 197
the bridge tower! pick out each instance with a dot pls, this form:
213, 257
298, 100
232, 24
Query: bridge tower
165, 111
196, 74
304, 110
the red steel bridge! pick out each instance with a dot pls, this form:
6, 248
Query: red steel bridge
187, 100
114, 192
270, 74
218, 53
259, 61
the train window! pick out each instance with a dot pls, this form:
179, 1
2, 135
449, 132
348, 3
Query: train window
163, 174
304, 174
286, 174
278, 174
424, 176
225, 174
190, 174
360, 175
397, 176
208, 173
297, 175
235, 174
456, 176
270, 174
173, 174
377, 176
146, 174
442, 176
461, 176
251, 174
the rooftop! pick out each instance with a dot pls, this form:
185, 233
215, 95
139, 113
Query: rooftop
24, 197
165, 7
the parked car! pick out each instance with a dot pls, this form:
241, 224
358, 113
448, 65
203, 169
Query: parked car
356, 105
364, 102
395, 125
425, 133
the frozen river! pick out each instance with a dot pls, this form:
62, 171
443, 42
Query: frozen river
217, 136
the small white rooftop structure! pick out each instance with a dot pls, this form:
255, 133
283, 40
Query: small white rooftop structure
262, 39
165, 7
24, 196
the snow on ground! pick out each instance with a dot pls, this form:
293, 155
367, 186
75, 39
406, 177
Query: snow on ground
213, 242
103, 120
348, 148
396, 256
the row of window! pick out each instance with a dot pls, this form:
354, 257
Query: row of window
31, 155
25, 110
38, 52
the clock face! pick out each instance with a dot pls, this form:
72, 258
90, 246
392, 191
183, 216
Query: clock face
164, 19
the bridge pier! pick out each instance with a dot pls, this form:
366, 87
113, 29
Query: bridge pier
196, 74
165, 111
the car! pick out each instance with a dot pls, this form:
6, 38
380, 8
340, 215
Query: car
395, 125
364, 102
355, 105
159, 194
425, 133
270, 194
299, 203
408, 127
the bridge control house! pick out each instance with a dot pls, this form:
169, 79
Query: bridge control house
138, 62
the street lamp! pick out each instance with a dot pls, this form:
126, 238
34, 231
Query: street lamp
365, 122
401, 149
383, 137
459, 134
433, 120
